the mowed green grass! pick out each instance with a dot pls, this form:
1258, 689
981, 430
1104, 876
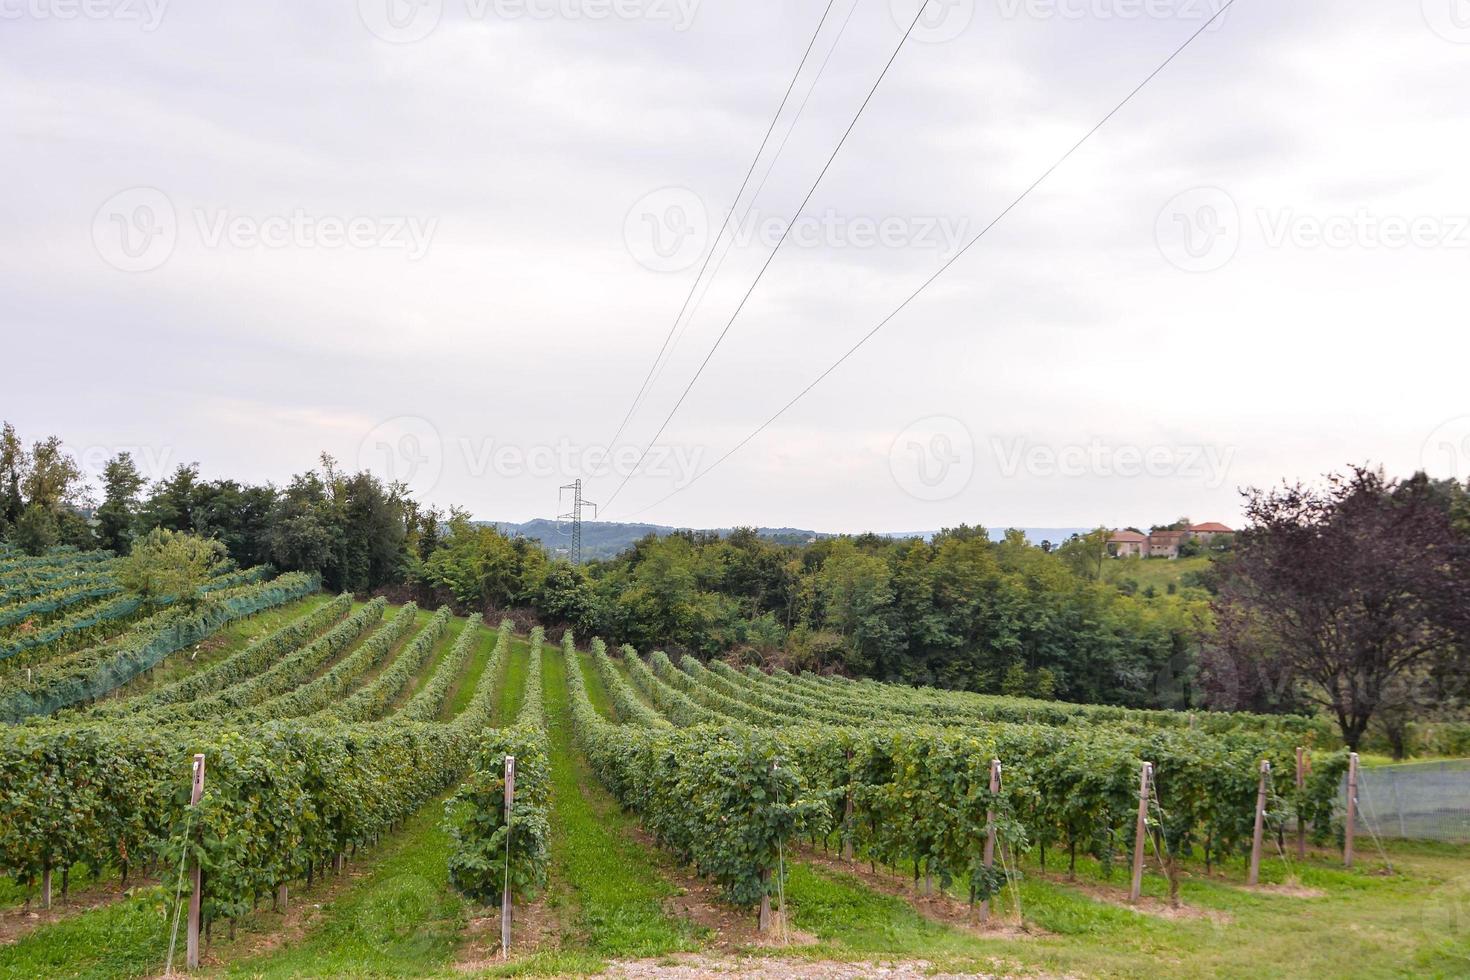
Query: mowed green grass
1313, 919
471, 677
513, 687
431, 666
126, 939
401, 920
608, 884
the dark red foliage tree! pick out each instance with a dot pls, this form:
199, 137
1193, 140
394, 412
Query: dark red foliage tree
1342, 596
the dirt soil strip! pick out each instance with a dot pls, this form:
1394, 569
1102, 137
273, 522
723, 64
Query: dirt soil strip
535, 927
16, 922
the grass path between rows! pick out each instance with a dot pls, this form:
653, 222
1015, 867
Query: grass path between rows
472, 675
401, 919
606, 888
430, 666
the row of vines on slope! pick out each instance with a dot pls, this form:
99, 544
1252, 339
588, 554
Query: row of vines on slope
918, 795
95, 671
282, 798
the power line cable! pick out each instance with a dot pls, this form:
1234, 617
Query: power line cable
750, 170
750, 205
785, 233
945, 267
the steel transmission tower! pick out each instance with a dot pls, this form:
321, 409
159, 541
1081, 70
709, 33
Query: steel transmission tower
575, 516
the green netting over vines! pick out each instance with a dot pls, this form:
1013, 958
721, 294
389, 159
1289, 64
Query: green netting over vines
121, 607
145, 647
57, 600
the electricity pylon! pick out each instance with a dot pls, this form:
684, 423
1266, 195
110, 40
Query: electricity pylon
575, 516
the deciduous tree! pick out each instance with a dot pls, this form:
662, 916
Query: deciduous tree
171, 565
1344, 594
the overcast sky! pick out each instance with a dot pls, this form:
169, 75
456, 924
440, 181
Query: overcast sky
445, 239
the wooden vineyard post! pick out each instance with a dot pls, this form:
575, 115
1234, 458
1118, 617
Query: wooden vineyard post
847, 814
1301, 785
765, 924
282, 897
988, 855
510, 799
1140, 832
1352, 810
46, 888
1256, 835
196, 877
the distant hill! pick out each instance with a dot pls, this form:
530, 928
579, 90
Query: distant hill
604, 539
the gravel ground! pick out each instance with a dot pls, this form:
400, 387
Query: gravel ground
699, 967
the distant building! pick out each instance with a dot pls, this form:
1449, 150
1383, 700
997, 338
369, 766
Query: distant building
1164, 544
1128, 544
1209, 531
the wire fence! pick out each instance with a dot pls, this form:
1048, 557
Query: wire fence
1414, 800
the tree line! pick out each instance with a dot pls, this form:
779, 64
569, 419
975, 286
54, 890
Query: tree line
1353, 599
351, 528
